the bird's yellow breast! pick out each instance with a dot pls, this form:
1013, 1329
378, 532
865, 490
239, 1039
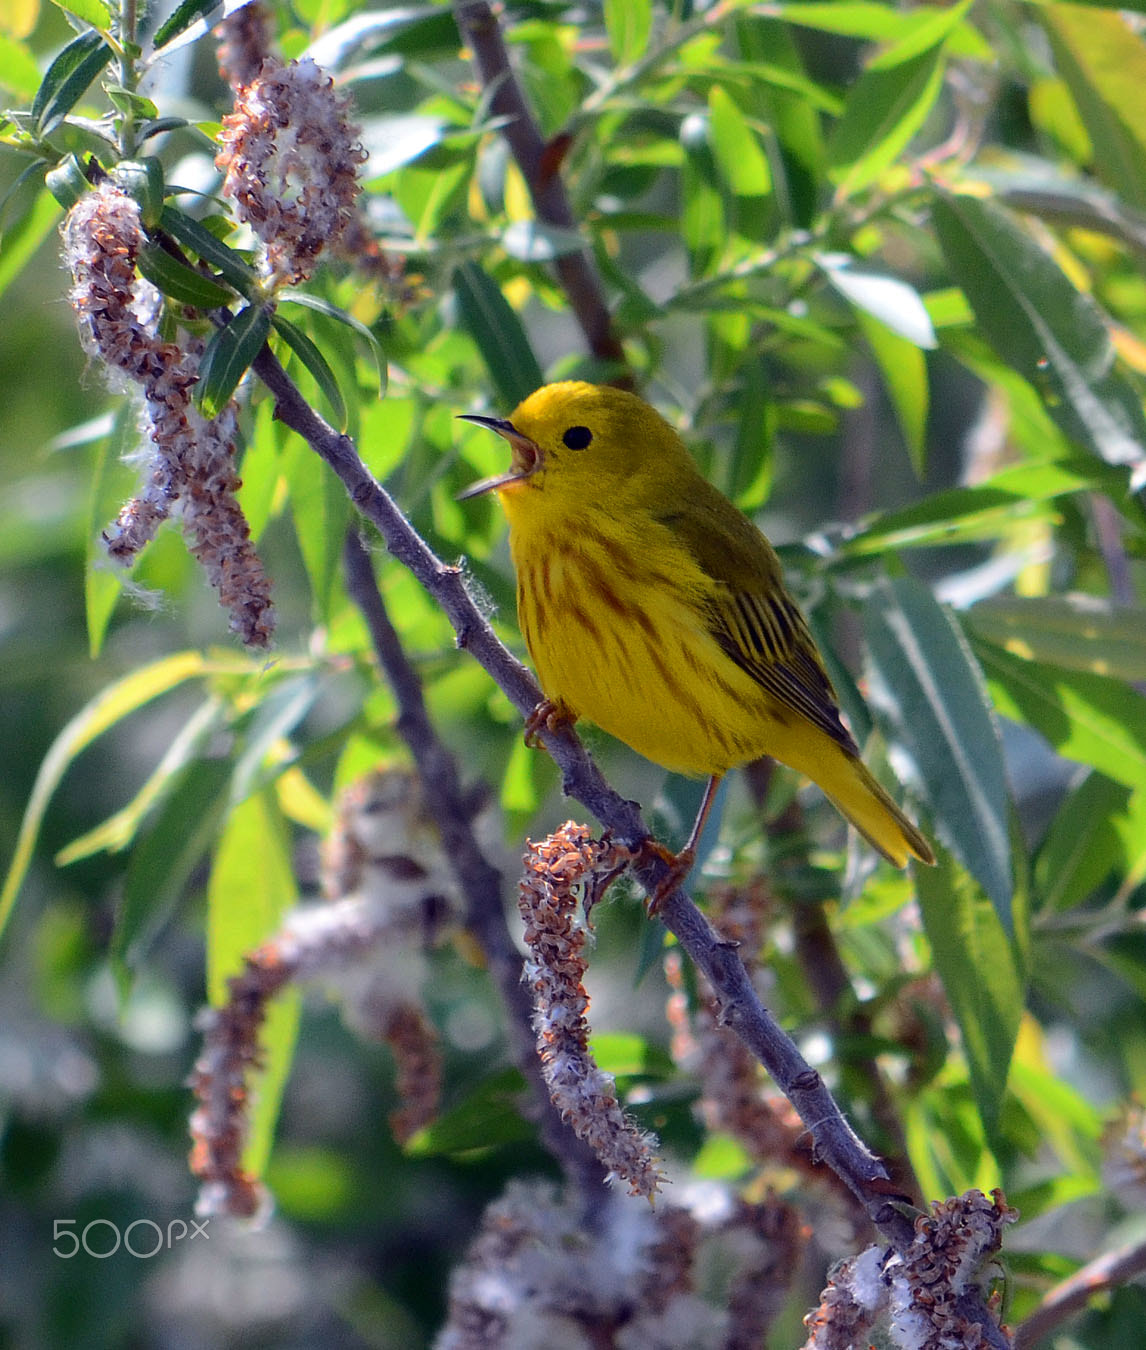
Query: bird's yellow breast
615, 627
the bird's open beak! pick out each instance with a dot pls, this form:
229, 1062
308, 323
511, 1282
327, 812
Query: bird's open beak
526, 455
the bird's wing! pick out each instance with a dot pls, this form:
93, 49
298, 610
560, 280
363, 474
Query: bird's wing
751, 615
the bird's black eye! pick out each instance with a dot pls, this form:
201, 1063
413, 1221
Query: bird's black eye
577, 438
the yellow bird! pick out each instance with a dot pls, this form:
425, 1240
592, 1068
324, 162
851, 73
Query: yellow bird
654, 608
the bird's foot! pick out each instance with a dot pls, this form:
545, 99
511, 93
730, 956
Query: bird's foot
546, 716
679, 865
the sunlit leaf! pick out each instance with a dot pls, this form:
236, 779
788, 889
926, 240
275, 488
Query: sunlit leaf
981, 973
488, 1118
1080, 848
110, 706
1088, 718
1103, 60
1080, 632
68, 78
738, 152
629, 24
893, 302
252, 886
928, 693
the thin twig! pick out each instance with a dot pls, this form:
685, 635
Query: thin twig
1105, 1272
541, 170
479, 881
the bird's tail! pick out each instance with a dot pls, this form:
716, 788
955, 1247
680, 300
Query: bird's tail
846, 781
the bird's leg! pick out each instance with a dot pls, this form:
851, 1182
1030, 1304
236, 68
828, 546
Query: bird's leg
548, 715
680, 864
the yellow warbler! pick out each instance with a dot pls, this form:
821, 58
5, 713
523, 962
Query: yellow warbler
654, 608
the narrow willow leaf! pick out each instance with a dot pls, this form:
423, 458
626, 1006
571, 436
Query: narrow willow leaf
981, 973
928, 694
904, 370
885, 109
115, 833
68, 78
1041, 326
487, 1118
228, 358
738, 153
199, 239
1079, 632
165, 856
274, 719
319, 509
22, 240
879, 23
251, 888
395, 139
1103, 61
529, 241
313, 359
110, 706
182, 283
67, 182
893, 302
94, 12
981, 512
1081, 847
189, 12
702, 219
373, 346
1088, 718
19, 72
629, 24
498, 333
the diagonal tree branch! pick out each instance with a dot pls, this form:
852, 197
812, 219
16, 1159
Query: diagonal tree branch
1107, 1271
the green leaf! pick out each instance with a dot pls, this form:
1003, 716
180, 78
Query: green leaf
928, 693
115, 833
904, 370
981, 512
702, 219
498, 333
199, 239
93, 12
1078, 632
165, 858
1103, 60
68, 78
67, 182
885, 109
1041, 326
396, 139
228, 357
879, 23
629, 24
894, 303
1081, 847
19, 73
1088, 718
182, 283
187, 13
489, 1117
373, 346
981, 975
313, 359
142, 179
276, 716
23, 239
251, 888
320, 510
110, 706
738, 153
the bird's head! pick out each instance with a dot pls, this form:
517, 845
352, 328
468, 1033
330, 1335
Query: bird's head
576, 443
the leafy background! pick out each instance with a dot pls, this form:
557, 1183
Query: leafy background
883, 267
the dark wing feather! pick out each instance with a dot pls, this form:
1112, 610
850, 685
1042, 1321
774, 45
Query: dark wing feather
751, 615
